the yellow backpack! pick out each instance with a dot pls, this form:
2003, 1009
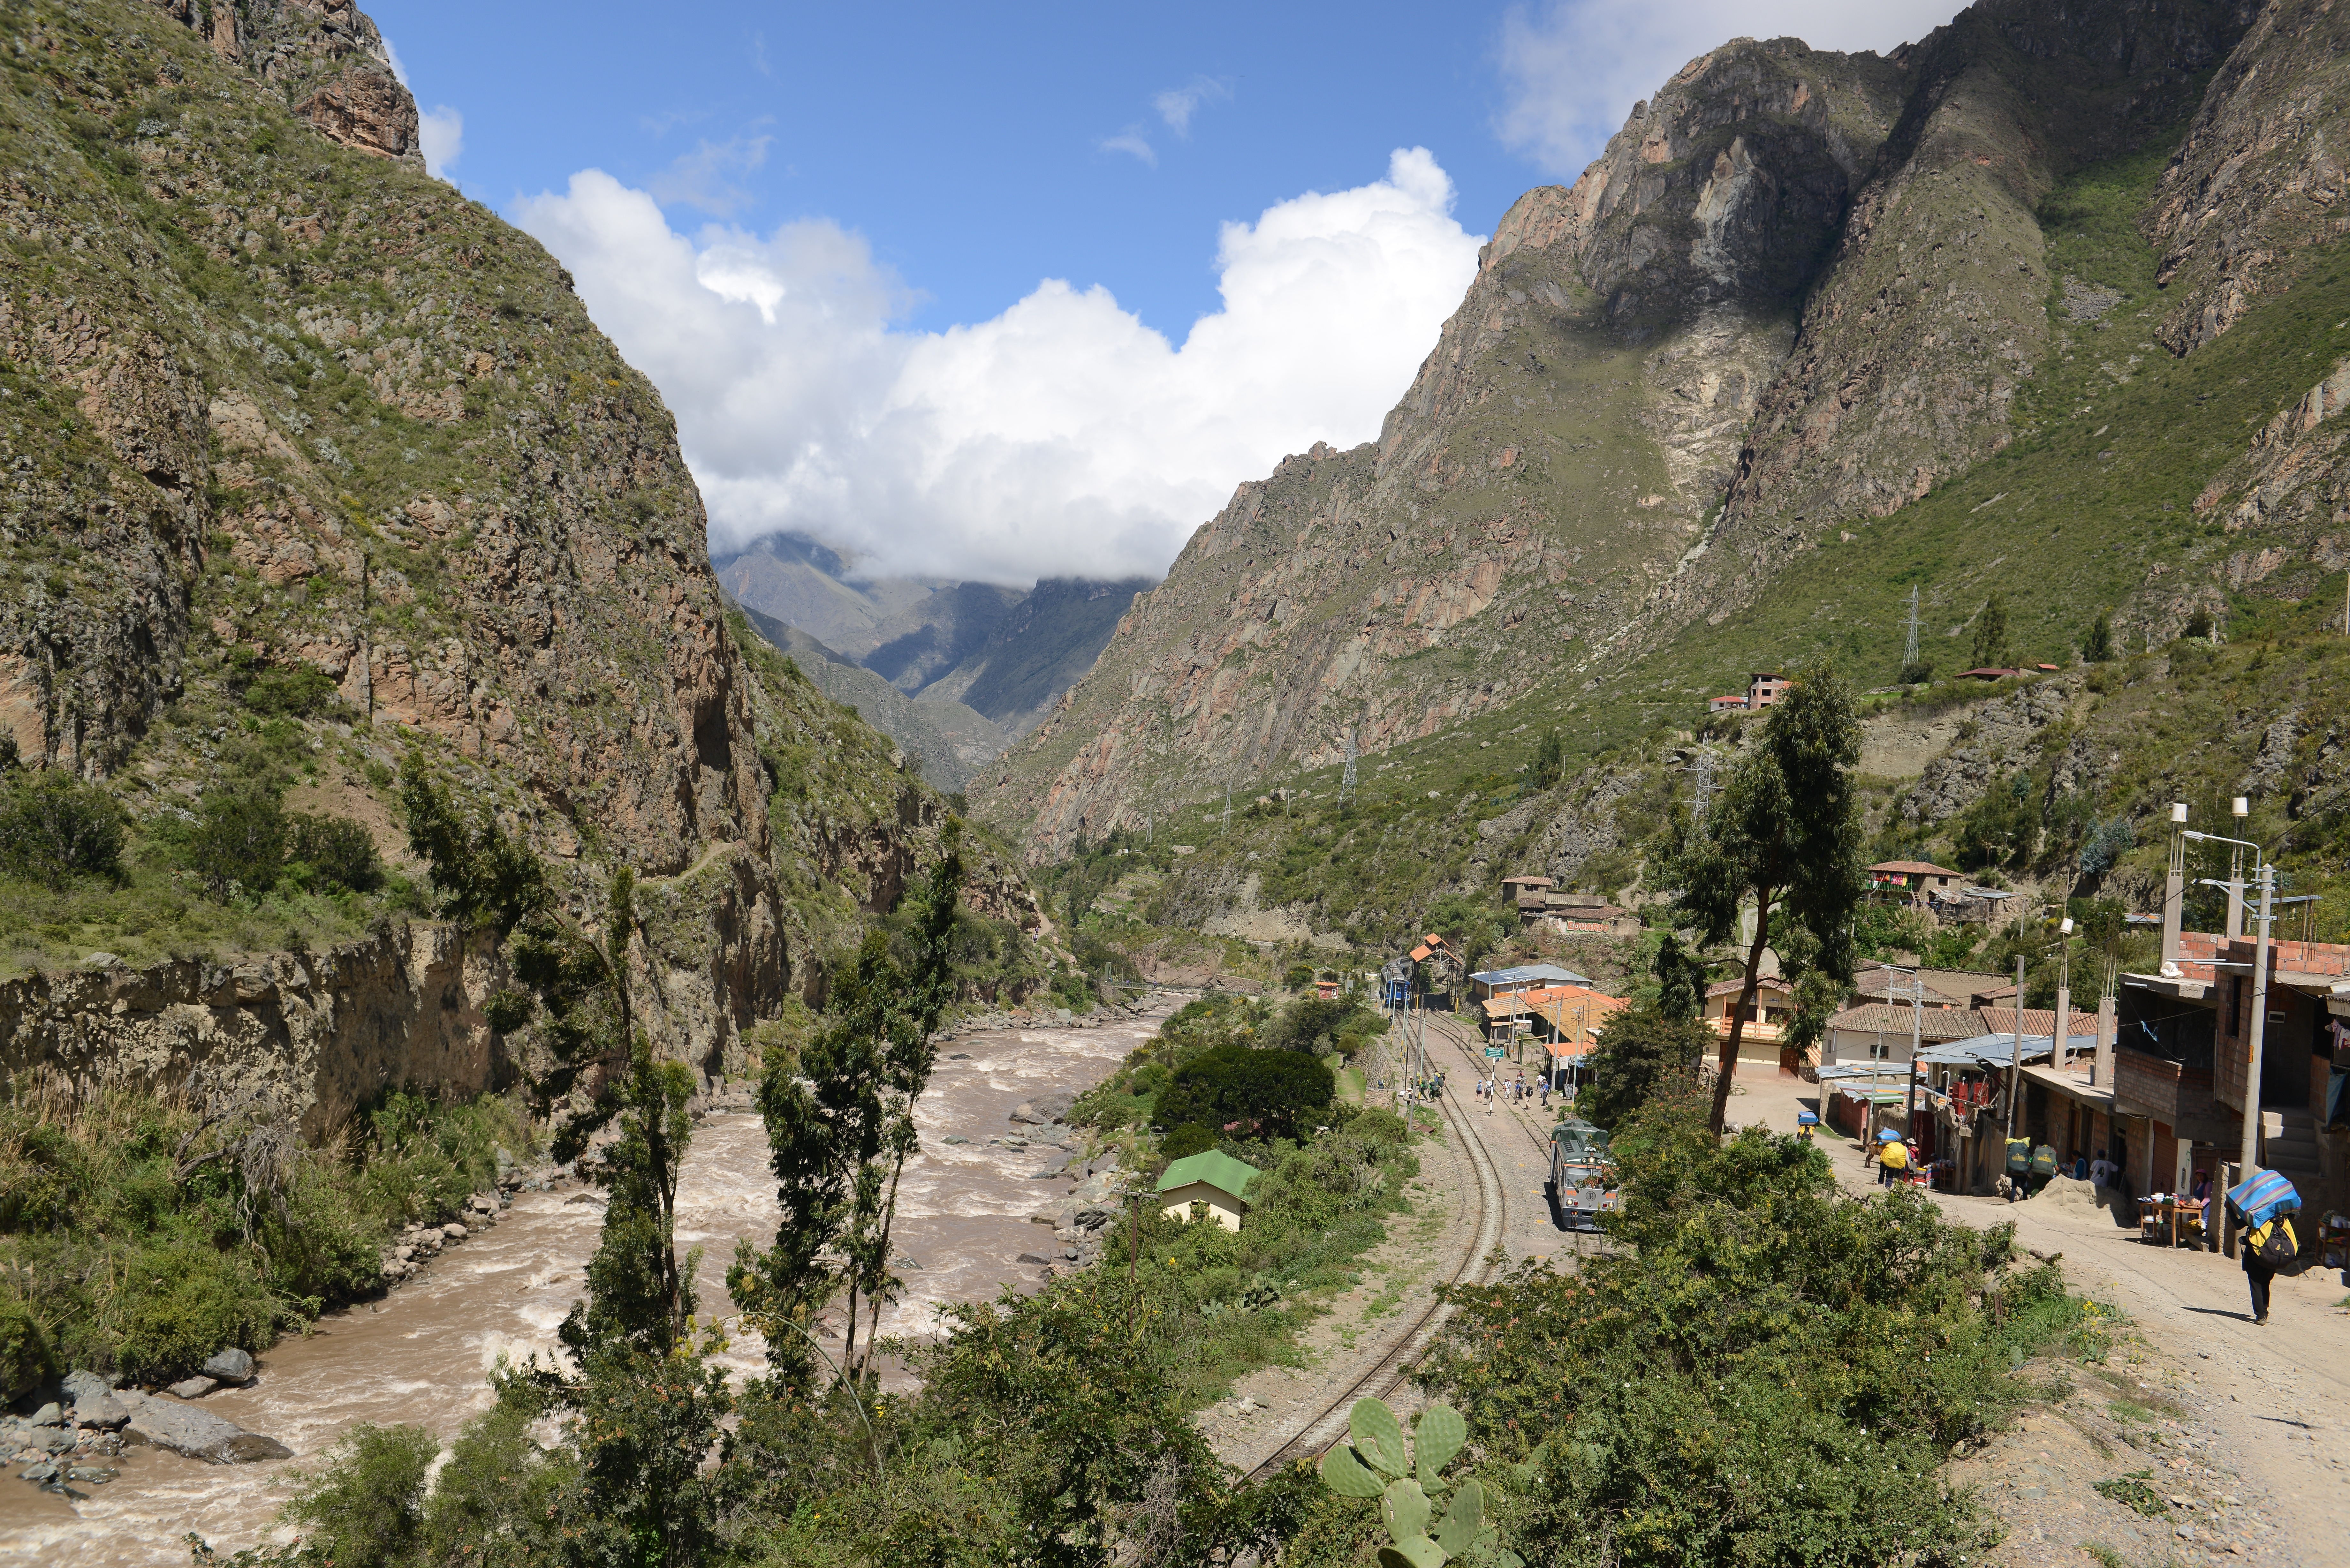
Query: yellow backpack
1893, 1157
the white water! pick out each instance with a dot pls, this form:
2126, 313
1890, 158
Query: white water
421, 1356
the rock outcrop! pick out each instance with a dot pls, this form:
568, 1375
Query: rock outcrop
1796, 291
275, 401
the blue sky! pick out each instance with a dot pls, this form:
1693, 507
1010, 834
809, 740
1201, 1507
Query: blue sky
877, 200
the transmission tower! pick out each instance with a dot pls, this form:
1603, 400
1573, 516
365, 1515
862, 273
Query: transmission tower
1228, 802
1346, 778
1909, 653
1704, 784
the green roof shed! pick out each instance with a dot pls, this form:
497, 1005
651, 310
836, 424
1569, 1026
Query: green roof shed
1214, 1167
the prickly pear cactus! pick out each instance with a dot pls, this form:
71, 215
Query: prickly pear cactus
1373, 1463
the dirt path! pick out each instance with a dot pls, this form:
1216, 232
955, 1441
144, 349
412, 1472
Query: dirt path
2240, 1428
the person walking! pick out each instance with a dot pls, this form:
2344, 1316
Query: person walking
1892, 1159
2267, 1248
2043, 1168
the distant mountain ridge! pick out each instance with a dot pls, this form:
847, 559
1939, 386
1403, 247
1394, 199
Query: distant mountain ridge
1001, 655
949, 741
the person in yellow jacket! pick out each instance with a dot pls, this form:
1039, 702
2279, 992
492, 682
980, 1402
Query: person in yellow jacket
1892, 1161
2259, 1270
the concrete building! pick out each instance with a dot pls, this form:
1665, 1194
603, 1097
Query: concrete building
1211, 1178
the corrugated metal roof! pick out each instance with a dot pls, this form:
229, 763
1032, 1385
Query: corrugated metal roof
1528, 973
1214, 1167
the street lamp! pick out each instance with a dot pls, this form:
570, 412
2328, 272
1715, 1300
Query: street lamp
2064, 994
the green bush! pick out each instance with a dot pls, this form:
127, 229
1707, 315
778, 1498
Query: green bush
365, 1508
1639, 1053
238, 843
1764, 1369
54, 828
25, 1358
295, 692
332, 852
181, 1302
1273, 1090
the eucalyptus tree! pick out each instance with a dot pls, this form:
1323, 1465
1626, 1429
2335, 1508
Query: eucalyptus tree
1786, 838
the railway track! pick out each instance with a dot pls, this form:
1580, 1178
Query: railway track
1467, 1042
1387, 1373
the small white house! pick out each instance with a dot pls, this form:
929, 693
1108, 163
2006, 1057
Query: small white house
1212, 1178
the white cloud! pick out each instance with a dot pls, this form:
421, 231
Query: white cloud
391, 57
1572, 70
706, 179
1132, 140
1176, 105
1061, 437
441, 130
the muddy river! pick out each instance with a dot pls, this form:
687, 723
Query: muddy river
420, 1356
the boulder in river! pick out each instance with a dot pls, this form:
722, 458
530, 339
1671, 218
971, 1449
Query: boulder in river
199, 1434
49, 1415
1031, 1258
194, 1387
1044, 1110
230, 1366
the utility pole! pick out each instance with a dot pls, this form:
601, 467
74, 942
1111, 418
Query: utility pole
2249, 1154
2064, 994
2015, 1061
1909, 649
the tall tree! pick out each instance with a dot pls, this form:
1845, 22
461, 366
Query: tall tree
1785, 835
1680, 979
840, 1123
643, 1407
1991, 634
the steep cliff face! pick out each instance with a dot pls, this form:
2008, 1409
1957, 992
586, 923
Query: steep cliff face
1797, 291
272, 399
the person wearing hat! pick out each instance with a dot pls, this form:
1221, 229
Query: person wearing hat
1892, 1157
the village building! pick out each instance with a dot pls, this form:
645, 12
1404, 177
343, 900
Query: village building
1767, 1016
2183, 1065
1944, 988
1908, 881
1211, 1178
1522, 977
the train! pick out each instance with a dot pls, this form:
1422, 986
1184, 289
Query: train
1582, 1179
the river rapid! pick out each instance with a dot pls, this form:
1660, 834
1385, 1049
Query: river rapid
420, 1356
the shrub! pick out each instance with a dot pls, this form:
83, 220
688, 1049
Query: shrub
334, 852
1640, 1053
365, 1508
54, 828
179, 1303
1272, 1089
296, 692
239, 843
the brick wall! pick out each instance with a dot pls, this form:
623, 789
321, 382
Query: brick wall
2147, 1082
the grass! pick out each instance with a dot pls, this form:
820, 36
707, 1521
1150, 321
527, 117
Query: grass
2134, 1491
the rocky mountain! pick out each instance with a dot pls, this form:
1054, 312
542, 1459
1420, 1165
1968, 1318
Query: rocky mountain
311, 465
2042, 306
1000, 652
948, 741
